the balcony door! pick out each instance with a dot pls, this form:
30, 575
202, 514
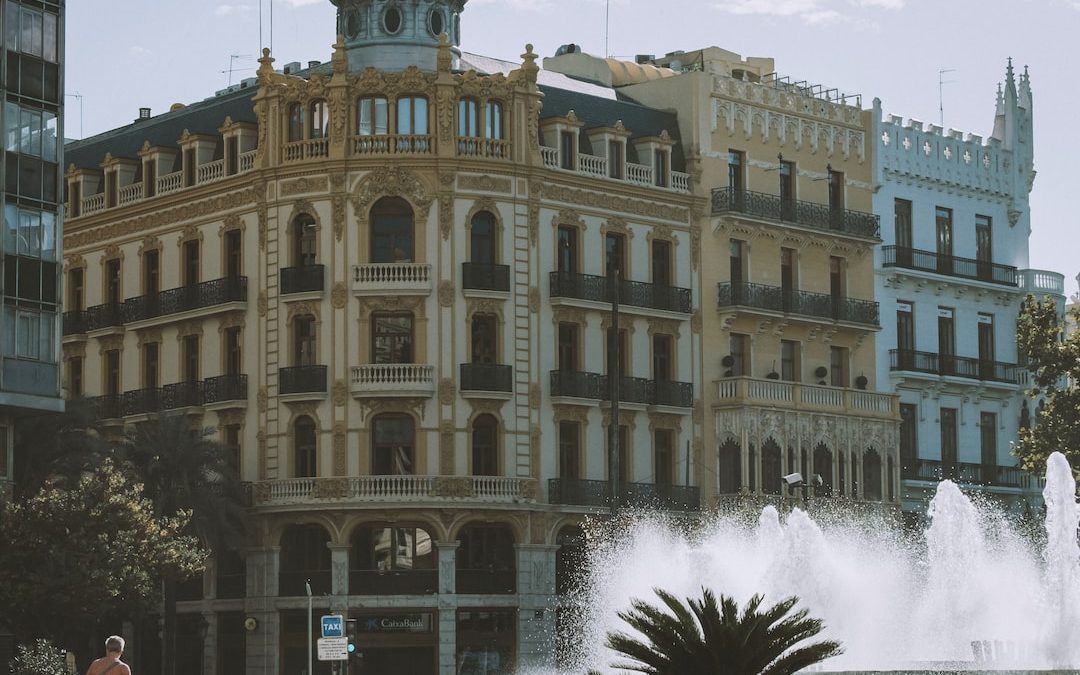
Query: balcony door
948, 441
988, 445
150, 365
191, 358
661, 262
836, 198
944, 240
151, 272
304, 341
482, 239
946, 341
905, 335
662, 357
569, 450
788, 277
737, 271
392, 338
191, 262
233, 254
909, 439
615, 255
787, 190
986, 346
568, 249
568, 347
484, 345
902, 232
112, 281
393, 445
984, 253
232, 351
303, 241
391, 231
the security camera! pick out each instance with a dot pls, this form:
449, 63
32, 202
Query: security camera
793, 479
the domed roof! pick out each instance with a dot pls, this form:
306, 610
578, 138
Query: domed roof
395, 34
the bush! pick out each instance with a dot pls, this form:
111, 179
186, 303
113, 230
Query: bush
40, 658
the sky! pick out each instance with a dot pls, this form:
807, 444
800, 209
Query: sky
126, 54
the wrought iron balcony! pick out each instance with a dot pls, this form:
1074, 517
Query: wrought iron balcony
225, 388
108, 406
934, 470
580, 492
778, 299
396, 582
185, 298
955, 366
631, 293
104, 316
141, 401
302, 279
483, 277
487, 377
302, 379
639, 390
182, 395
966, 268
806, 214
76, 322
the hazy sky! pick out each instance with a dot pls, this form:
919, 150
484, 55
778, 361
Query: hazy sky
124, 54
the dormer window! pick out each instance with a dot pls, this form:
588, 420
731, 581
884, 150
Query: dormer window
661, 166
320, 119
616, 158
568, 150
296, 122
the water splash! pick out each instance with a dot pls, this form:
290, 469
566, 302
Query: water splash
894, 601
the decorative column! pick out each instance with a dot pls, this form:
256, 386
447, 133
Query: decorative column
339, 569
447, 599
261, 605
210, 646
536, 602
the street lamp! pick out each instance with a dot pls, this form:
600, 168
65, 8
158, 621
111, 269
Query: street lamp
307, 587
795, 481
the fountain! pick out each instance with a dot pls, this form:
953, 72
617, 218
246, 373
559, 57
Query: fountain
970, 594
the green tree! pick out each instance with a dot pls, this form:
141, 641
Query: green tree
1054, 361
41, 657
72, 556
186, 470
704, 637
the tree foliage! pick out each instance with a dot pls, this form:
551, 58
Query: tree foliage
705, 637
41, 657
1054, 361
70, 555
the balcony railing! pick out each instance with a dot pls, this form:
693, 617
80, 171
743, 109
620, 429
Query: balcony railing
307, 149
484, 277
598, 167
486, 581
1041, 282
393, 144
576, 384
580, 492
955, 366
302, 380
806, 214
402, 488
393, 582
967, 268
631, 293
185, 298
842, 400
76, 322
302, 279
393, 379
104, 316
377, 278
487, 377
778, 299
108, 406
225, 388
934, 470
488, 148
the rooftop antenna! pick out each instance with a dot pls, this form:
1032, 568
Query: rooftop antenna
607, 27
940, 93
233, 58
80, 97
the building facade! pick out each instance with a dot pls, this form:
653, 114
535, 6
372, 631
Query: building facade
951, 276
386, 281
33, 92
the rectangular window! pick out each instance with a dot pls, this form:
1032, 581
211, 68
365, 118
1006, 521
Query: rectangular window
233, 254
662, 165
944, 220
625, 470
988, 442
150, 365
787, 190
568, 346
902, 232
789, 361
233, 363
394, 452
620, 349
986, 337
662, 364
984, 249
740, 355
836, 197
661, 262
232, 447
191, 262
905, 328
112, 281
467, 123
304, 341
909, 437
616, 151
948, 436
838, 366
320, 119
191, 358
29, 232
567, 157
484, 340
946, 341
493, 119
737, 263
568, 249
151, 272
29, 333
372, 116
392, 338
735, 176
615, 255
112, 372
412, 116
837, 278
664, 456
76, 301
75, 376
569, 450
788, 277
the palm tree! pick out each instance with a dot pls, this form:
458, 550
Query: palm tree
184, 469
703, 637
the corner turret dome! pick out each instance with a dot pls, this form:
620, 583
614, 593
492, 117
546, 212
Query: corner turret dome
391, 35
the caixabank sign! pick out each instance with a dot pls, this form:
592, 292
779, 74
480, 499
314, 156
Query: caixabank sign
397, 623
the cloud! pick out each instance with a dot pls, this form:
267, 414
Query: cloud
233, 10
533, 5
136, 50
814, 12
301, 3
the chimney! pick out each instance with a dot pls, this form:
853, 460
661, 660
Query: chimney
144, 114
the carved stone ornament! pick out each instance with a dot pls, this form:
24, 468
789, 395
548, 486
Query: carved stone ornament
452, 486
261, 399
534, 450
263, 218
446, 215
339, 393
564, 314
658, 326
390, 181
446, 447
231, 222
484, 183
695, 321
446, 293
149, 336
339, 295
699, 411
189, 327
568, 217
534, 396
446, 391
665, 421
341, 455
534, 299
375, 303
304, 185
262, 304
612, 202
338, 216
73, 350
304, 308
109, 343
616, 225
329, 488
571, 413
474, 306
150, 243
534, 219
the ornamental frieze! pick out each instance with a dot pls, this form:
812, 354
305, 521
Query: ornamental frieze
390, 181
304, 185
611, 202
484, 183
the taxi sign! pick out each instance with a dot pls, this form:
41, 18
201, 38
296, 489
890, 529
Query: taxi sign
333, 626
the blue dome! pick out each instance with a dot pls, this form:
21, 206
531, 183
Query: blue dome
392, 35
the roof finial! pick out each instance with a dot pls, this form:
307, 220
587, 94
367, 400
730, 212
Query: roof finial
528, 65
266, 66
445, 60
339, 60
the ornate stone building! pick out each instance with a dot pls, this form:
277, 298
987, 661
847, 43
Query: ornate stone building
385, 281
951, 276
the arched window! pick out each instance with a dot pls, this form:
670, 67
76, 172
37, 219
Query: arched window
372, 116
770, 467
485, 446
468, 125
493, 120
730, 467
393, 445
482, 238
570, 560
823, 467
304, 555
320, 119
304, 447
392, 560
485, 560
303, 241
296, 122
391, 231
872, 476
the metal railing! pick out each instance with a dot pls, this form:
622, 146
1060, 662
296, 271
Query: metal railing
302, 379
487, 377
639, 390
75, 322
955, 366
581, 492
225, 388
302, 279
953, 266
485, 277
966, 473
631, 293
108, 406
185, 298
807, 214
778, 299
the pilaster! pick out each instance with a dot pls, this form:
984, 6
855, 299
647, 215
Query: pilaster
447, 613
339, 569
536, 594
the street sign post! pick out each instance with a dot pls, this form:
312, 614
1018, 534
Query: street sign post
333, 626
333, 649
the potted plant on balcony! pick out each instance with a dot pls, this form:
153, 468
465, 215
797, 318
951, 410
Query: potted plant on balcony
773, 375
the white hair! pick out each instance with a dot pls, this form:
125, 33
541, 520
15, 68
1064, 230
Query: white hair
114, 643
